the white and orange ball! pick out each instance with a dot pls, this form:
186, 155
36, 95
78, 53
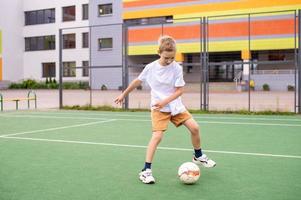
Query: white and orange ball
189, 173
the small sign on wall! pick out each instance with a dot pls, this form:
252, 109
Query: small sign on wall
245, 54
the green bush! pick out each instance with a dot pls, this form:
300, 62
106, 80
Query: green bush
29, 84
266, 87
103, 87
290, 88
32, 84
14, 86
84, 85
70, 85
53, 86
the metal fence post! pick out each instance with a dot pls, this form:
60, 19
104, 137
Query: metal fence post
201, 64
299, 62
60, 69
125, 73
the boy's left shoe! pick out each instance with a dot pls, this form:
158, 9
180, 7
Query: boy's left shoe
204, 160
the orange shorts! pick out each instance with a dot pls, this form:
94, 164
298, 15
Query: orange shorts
160, 119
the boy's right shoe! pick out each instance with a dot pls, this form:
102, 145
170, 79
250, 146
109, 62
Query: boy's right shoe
146, 176
204, 160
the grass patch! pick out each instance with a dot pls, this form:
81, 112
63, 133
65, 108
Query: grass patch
113, 109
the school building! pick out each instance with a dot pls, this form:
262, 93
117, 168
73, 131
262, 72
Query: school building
95, 32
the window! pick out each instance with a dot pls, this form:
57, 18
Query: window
105, 9
69, 41
40, 17
49, 42
40, 43
150, 20
48, 69
85, 40
105, 43
85, 68
85, 11
69, 13
69, 69
276, 55
49, 16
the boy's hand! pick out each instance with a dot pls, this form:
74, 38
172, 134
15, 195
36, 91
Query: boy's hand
119, 99
159, 105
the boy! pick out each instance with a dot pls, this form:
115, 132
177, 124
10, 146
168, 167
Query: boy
165, 78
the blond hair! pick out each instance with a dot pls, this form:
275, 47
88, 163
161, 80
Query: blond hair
166, 43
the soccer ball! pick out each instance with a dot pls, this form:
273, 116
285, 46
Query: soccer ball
189, 173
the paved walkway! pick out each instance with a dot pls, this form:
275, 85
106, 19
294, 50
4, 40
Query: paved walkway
281, 101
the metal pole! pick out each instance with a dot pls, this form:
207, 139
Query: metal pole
90, 63
204, 64
125, 75
299, 61
60, 69
201, 64
1, 101
207, 62
249, 75
295, 60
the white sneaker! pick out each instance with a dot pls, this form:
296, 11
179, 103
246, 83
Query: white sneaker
146, 176
204, 160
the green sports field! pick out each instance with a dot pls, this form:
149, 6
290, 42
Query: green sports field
80, 155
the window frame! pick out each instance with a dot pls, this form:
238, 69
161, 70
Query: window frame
38, 43
85, 11
85, 44
65, 16
44, 65
68, 44
85, 69
105, 14
104, 48
67, 70
31, 17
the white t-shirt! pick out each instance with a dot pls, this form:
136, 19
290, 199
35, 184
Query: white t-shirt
163, 81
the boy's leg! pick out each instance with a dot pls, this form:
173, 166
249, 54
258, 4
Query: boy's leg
194, 129
152, 145
146, 174
159, 125
199, 157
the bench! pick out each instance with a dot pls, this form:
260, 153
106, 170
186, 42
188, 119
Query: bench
16, 100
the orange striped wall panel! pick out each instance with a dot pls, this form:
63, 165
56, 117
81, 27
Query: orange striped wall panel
234, 33
218, 30
196, 8
267, 30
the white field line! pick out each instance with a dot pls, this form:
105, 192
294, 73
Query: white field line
85, 113
147, 120
57, 128
144, 147
51, 117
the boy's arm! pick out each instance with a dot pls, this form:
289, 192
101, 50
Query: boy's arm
135, 83
176, 94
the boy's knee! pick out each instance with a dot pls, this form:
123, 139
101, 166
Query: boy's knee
157, 136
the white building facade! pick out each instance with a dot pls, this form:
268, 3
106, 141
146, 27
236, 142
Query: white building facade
30, 37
